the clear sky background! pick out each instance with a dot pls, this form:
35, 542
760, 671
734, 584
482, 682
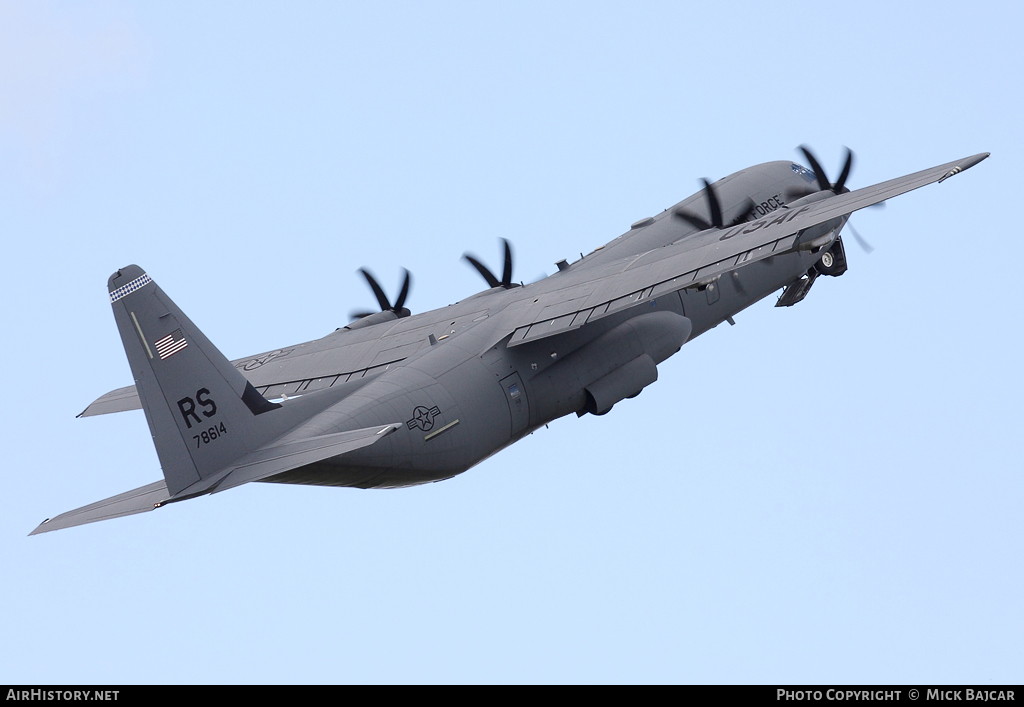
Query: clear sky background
829, 493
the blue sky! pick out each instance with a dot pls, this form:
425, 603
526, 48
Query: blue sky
827, 493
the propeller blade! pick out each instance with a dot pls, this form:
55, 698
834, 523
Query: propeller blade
745, 214
482, 269
819, 173
695, 221
865, 246
485, 272
838, 186
506, 273
713, 205
400, 302
382, 299
799, 193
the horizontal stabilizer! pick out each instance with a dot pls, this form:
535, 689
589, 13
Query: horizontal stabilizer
257, 465
139, 500
276, 460
115, 401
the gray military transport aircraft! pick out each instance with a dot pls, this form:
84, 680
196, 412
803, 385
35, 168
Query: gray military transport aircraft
395, 399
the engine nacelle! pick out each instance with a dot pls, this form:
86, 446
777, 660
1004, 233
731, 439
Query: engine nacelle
376, 318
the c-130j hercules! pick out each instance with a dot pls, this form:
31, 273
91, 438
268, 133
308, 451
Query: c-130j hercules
395, 399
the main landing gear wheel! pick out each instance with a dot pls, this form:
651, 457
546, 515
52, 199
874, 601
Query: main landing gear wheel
833, 260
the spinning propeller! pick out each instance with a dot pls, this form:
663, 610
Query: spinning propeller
716, 212
838, 188
819, 173
506, 272
385, 306
865, 246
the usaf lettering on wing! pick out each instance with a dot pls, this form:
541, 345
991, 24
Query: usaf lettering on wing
783, 218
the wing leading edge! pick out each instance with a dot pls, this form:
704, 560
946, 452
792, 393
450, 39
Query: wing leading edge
702, 258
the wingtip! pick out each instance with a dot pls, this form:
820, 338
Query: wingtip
964, 165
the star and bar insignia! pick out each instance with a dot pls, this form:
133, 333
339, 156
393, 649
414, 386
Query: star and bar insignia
423, 417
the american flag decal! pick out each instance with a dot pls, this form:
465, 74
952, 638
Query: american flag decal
171, 344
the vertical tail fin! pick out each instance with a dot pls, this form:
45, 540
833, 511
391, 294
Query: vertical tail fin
202, 412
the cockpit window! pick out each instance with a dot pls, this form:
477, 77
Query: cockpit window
807, 174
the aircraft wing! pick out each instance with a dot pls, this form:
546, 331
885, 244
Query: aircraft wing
699, 259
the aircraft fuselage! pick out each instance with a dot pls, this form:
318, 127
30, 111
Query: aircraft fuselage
465, 395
